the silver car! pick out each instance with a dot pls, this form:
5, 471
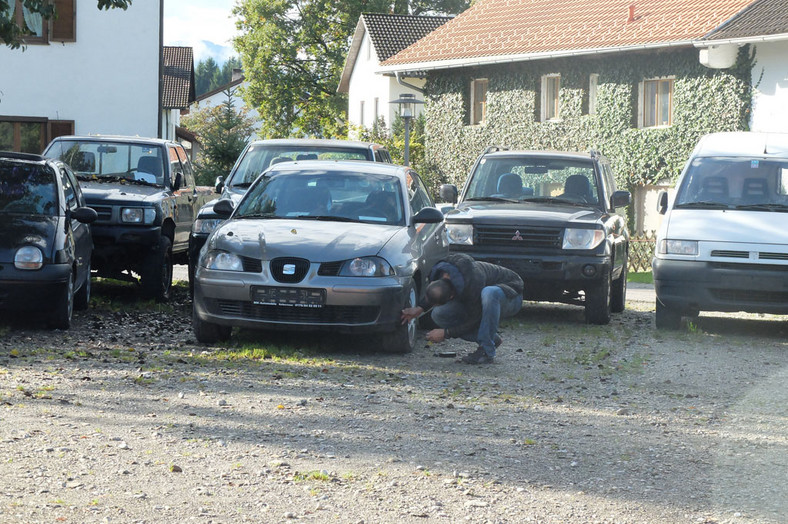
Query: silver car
329, 245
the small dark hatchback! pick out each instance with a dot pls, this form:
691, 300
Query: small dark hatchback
45, 239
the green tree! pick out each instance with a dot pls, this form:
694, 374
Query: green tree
293, 52
10, 32
204, 75
223, 132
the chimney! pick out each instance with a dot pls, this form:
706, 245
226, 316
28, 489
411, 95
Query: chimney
631, 13
237, 75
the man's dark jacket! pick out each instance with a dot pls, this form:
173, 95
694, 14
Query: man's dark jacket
473, 277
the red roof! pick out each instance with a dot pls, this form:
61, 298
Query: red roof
497, 28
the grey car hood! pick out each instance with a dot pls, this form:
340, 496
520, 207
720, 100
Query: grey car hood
309, 239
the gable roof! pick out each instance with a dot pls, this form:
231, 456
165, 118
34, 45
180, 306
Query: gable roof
177, 77
390, 34
494, 31
761, 18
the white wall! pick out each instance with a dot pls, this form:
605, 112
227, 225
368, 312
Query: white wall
107, 81
770, 100
221, 97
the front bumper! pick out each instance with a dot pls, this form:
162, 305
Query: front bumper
352, 305
123, 246
31, 290
693, 286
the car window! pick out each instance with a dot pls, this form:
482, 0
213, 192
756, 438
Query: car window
27, 189
525, 178
69, 192
176, 168
186, 165
417, 194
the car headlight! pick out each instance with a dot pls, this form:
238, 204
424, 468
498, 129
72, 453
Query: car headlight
366, 267
222, 261
28, 257
204, 226
678, 247
582, 238
137, 215
461, 234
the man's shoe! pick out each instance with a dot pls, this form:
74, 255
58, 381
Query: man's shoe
498, 341
479, 356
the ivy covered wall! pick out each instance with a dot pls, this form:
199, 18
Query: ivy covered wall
704, 101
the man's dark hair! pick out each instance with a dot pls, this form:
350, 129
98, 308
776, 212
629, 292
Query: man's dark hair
440, 291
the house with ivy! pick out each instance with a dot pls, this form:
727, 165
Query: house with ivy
639, 81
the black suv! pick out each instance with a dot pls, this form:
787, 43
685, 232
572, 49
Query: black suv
144, 193
549, 216
256, 158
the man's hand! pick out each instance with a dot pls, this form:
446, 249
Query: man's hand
409, 313
436, 335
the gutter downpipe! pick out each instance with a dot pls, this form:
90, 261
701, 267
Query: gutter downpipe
400, 81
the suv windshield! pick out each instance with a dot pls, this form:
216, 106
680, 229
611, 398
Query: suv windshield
725, 182
112, 161
259, 156
27, 189
523, 178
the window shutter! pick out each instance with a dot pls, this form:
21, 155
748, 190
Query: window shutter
64, 27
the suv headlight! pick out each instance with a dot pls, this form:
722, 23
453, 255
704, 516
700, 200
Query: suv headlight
137, 215
222, 261
582, 238
461, 234
678, 247
204, 226
366, 267
28, 257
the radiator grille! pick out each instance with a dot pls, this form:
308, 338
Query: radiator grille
514, 236
324, 315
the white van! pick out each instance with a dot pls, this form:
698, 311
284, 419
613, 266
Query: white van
723, 245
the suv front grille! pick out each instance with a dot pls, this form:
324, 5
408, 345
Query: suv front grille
516, 236
104, 213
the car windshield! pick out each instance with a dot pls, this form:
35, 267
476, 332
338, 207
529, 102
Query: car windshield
530, 178
740, 183
258, 157
112, 161
28, 189
325, 195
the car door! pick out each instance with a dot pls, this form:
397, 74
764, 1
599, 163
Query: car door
79, 232
185, 198
430, 243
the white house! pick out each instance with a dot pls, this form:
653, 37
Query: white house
91, 71
377, 37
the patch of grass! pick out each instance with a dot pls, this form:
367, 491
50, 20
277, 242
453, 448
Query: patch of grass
644, 277
310, 475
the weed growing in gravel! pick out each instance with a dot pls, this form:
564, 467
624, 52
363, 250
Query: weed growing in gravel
310, 475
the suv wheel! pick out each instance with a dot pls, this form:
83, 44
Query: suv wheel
666, 317
598, 301
618, 297
403, 338
157, 272
207, 332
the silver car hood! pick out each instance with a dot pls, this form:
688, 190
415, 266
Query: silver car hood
313, 240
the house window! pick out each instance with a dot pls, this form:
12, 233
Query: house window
593, 82
40, 31
478, 101
31, 135
551, 85
656, 108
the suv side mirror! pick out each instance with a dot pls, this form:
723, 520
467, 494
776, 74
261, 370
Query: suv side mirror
620, 199
218, 185
662, 202
448, 193
224, 207
428, 215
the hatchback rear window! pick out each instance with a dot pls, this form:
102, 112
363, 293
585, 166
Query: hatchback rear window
27, 189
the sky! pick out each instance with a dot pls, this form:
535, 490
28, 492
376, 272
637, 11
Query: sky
207, 26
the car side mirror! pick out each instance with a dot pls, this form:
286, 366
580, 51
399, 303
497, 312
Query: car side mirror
662, 202
428, 215
178, 182
620, 199
224, 207
448, 193
218, 185
85, 215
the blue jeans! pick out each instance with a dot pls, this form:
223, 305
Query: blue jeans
494, 306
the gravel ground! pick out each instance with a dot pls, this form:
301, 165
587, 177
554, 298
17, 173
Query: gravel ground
125, 418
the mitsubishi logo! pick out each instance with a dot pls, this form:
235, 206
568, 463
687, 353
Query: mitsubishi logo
517, 235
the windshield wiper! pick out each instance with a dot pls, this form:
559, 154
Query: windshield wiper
241, 184
260, 215
140, 182
329, 218
782, 208
490, 199
707, 204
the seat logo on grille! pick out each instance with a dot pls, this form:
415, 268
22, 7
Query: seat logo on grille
517, 235
288, 269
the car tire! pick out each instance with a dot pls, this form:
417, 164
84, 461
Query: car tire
208, 332
82, 298
156, 273
618, 292
64, 305
403, 338
667, 317
598, 301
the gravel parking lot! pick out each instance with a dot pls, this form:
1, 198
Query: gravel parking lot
126, 419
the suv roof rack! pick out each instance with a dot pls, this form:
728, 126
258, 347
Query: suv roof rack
594, 153
494, 149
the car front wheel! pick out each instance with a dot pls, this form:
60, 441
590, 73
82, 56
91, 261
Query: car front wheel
157, 272
208, 332
618, 298
598, 301
403, 338
82, 298
666, 317
64, 306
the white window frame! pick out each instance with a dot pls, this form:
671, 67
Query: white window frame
551, 105
593, 86
642, 86
479, 107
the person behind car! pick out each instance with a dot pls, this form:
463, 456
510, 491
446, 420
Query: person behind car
468, 299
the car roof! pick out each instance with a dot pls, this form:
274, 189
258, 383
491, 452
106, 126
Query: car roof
30, 157
317, 142
364, 166
116, 138
743, 143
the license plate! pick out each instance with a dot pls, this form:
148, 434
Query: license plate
288, 296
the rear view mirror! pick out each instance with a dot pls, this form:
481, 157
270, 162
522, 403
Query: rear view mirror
107, 149
428, 215
448, 193
662, 202
224, 207
85, 215
218, 185
620, 199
